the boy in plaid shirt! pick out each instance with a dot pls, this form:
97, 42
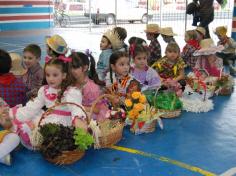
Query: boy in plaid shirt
12, 89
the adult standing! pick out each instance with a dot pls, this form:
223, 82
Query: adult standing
206, 12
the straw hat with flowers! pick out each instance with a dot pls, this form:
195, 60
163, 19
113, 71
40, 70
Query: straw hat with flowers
167, 31
202, 30
113, 37
208, 47
57, 44
152, 28
17, 68
221, 31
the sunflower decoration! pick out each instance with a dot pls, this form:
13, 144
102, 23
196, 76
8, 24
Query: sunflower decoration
140, 114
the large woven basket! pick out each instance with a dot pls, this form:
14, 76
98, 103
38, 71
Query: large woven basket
111, 130
67, 157
169, 113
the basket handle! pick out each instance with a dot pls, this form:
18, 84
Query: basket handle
109, 96
49, 110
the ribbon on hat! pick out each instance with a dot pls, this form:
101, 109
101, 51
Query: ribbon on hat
65, 59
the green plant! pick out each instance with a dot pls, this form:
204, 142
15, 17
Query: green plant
82, 139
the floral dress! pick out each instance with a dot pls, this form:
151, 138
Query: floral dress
167, 69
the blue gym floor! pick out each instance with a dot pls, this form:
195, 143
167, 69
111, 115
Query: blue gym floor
190, 145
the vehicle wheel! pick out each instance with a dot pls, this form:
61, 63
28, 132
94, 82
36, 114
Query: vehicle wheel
144, 18
110, 19
65, 22
131, 21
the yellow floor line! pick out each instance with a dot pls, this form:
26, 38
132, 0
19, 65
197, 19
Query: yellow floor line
164, 159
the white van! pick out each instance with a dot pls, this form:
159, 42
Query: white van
127, 10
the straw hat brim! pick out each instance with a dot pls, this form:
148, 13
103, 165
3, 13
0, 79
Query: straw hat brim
19, 72
208, 51
168, 34
52, 46
151, 31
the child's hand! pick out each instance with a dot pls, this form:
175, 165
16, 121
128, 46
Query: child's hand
5, 120
79, 123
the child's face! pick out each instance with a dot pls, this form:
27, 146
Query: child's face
166, 38
140, 61
54, 76
220, 37
172, 55
29, 59
78, 73
104, 44
121, 67
186, 37
149, 36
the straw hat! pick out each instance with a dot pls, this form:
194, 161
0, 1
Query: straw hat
17, 68
202, 30
221, 30
113, 37
208, 47
57, 44
152, 28
167, 31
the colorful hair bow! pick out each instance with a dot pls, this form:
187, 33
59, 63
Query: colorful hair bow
47, 59
65, 59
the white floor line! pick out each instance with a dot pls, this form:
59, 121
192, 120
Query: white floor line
230, 172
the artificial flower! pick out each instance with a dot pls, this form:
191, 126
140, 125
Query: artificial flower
142, 99
136, 95
128, 103
138, 107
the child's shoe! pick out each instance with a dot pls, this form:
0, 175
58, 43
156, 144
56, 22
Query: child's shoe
6, 160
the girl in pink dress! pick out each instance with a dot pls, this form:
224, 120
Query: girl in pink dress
86, 79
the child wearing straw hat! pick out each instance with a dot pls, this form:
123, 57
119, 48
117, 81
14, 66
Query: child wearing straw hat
152, 32
168, 34
110, 42
201, 32
17, 68
228, 53
207, 58
33, 79
12, 89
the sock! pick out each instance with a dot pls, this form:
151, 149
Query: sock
6, 160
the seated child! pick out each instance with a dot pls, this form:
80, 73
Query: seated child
152, 33
8, 140
201, 33
171, 66
191, 46
110, 41
33, 79
122, 33
118, 80
207, 58
12, 89
168, 34
146, 75
17, 68
58, 90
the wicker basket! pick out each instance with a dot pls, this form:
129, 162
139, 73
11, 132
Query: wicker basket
169, 113
67, 157
148, 127
226, 91
110, 130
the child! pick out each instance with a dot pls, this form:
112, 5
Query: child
228, 53
57, 90
201, 33
207, 58
119, 81
137, 41
83, 70
56, 46
12, 89
122, 33
141, 71
8, 140
110, 41
168, 34
152, 32
191, 46
171, 66
34, 77
17, 68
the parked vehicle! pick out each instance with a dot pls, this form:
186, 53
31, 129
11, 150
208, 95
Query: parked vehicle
127, 10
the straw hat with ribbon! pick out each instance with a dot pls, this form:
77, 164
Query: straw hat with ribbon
113, 37
17, 68
208, 47
57, 44
221, 31
167, 31
152, 28
202, 30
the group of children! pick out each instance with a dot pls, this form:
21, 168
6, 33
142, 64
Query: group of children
29, 89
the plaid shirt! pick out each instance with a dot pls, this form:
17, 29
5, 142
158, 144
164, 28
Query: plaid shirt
155, 52
33, 80
187, 55
13, 93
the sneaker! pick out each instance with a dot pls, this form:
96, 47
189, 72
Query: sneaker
6, 160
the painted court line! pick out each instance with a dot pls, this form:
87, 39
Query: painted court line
164, 159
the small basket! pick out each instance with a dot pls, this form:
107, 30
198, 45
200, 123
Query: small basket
67, 157
225, 91
107, 137
169, 113
148, 127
